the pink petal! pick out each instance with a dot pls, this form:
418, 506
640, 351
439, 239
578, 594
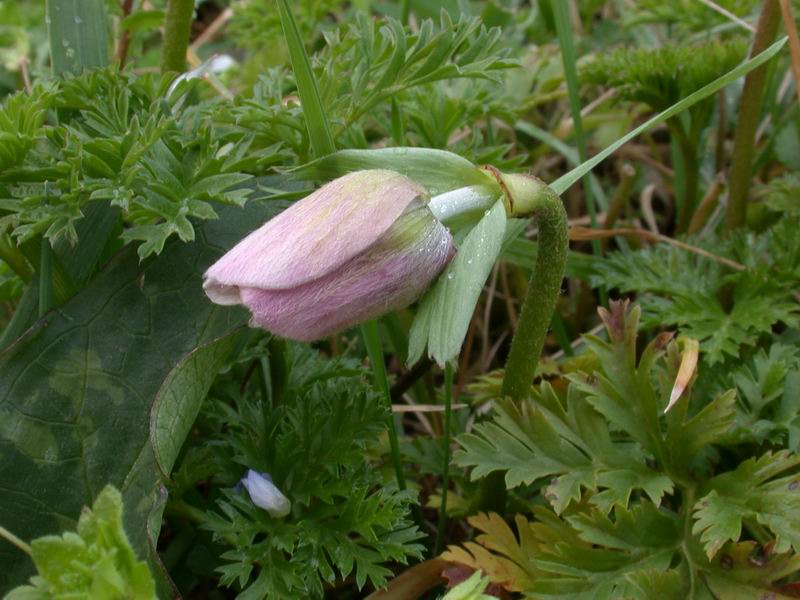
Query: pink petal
314, 236
388, 276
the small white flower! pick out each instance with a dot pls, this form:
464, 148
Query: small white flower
265, 494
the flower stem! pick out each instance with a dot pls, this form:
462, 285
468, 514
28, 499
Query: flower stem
177, 25
372, 339
543, 290
448, 404
6, 535
740, 172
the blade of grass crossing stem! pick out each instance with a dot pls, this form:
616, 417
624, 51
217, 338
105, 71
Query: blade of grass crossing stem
448, 413
372, 339
78, 34
566, 181
561, 15
319, 131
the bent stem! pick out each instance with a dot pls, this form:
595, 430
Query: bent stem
545, 284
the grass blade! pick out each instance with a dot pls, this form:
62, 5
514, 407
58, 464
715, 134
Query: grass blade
561, 14
319, 130
569, 59
566, 181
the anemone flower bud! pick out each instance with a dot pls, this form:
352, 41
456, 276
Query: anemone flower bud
363, 245
265, 494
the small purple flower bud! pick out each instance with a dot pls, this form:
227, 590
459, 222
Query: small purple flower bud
363, 245
265, 494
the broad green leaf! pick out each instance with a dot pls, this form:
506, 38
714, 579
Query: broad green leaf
78, 31
566, 181
316, 121
751, 492
78, 388
178, 402
97, 562
446, 309
438, 171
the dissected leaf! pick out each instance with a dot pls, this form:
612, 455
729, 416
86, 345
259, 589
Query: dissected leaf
751, 492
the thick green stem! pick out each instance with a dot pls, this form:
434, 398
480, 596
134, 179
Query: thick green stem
177, 25
741, 168
534, 197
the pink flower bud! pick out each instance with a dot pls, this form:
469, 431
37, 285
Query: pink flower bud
361, 246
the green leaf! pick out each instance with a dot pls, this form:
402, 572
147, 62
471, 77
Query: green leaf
739, 572
438, 171
78, 388
683, 288
564, 182
570, 446
317, 122
78, 31
98, 562
345, 519
178, 402
143, 20
751, 492
446, 309
769, 389
610, 555
648, 584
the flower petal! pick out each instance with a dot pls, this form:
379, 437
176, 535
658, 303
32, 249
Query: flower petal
314, 236
266, 494
388, 276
